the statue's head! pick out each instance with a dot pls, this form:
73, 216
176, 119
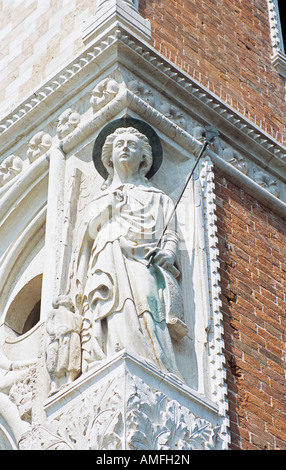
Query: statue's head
144, 147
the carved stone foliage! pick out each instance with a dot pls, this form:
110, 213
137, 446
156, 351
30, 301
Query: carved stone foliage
235, 159
139, 89
158, 423
22, 394
67, 122
94, 422
40, 438
174, 114
167, 425
111, 418
10, 168
103, 93
38, 145
17, 388
267, 182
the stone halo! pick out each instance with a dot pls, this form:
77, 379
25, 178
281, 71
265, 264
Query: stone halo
141, 126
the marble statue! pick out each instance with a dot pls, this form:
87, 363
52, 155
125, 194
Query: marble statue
125, 303
63, 350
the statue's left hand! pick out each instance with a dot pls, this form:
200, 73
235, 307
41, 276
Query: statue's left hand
162, 257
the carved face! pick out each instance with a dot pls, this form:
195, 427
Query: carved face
127, 152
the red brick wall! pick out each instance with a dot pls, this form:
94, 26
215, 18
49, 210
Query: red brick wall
225, 45
252, 243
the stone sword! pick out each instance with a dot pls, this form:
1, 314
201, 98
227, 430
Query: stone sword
210, 133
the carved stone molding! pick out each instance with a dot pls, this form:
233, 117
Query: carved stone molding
215, 338
119, 36
173, 426
127, 404
39, 145
22, 220
9, 169
251, 147
278, 57
103, 93
127, 99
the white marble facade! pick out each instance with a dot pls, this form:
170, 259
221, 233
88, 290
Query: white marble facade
89, 333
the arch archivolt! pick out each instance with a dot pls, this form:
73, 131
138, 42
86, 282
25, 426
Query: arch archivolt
22, 242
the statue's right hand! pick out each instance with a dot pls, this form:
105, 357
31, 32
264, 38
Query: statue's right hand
117, 200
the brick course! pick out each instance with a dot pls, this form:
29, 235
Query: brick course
225, 45
253, 279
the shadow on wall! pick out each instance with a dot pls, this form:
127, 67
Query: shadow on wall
24, 311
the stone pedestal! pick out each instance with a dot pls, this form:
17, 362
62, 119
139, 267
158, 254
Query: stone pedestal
127, 403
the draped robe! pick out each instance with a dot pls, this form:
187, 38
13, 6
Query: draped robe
125, 304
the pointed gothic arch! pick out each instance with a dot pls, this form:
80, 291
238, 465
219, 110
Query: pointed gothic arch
22, 232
